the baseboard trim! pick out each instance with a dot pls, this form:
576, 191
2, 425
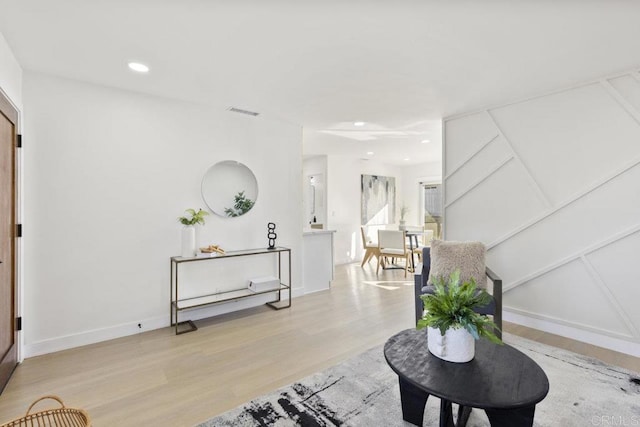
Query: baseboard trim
297, 292
615, 344
112, 332
93, 336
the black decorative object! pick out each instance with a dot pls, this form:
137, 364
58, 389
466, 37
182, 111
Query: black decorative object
271, 235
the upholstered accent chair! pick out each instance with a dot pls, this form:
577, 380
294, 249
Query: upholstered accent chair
442, 258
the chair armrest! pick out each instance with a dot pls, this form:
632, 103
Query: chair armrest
420, 280
497, 296
497, 282
426, 264
491, 275
417, 291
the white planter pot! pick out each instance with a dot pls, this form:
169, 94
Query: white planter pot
188, 241
457, 345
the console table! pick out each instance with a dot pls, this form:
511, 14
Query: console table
178, 304
503, 381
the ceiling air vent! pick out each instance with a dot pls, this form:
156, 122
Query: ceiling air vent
241, 111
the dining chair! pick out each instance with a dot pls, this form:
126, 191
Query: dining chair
393, 244
370, 248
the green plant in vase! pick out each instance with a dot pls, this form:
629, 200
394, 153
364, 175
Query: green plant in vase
404, 210
403, 213
453, 325
189, 230
193, 217
452, 306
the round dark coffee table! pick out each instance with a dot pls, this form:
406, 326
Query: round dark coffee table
504, 382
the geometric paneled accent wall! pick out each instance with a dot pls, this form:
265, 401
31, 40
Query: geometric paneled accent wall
552, 186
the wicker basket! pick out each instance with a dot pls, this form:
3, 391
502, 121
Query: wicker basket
59, 417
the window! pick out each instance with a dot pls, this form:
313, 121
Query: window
432, 202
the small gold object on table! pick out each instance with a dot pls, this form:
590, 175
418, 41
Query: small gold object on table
212, 249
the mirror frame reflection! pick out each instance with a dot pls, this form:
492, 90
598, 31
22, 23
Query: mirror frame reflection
229, 189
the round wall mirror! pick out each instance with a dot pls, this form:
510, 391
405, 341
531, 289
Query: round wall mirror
229, 189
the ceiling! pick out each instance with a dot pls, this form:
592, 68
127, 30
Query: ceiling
399, 66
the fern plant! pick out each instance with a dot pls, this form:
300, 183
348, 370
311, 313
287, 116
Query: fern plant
452, 304
193, 217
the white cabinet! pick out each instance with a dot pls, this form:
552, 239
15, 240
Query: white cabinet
317, 248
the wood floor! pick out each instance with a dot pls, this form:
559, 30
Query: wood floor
159, 379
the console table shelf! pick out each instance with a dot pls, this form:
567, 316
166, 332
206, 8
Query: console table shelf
178, 304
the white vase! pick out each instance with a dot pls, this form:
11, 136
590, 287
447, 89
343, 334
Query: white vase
457, 345
401, 225
188, 241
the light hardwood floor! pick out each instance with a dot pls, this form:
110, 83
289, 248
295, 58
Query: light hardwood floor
159, 379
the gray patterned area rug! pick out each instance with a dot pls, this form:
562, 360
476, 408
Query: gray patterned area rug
363, 391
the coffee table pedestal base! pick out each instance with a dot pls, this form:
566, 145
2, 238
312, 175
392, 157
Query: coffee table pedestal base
511, 417
414, 400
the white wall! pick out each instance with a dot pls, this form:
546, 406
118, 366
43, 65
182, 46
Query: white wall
10, 74
550, 184
343, 201
107, 173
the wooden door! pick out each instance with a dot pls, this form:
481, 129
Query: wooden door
8, 286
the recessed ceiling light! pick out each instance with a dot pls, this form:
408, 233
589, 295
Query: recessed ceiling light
369, 153
406, 159
425, 141
358, 123
140, 68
